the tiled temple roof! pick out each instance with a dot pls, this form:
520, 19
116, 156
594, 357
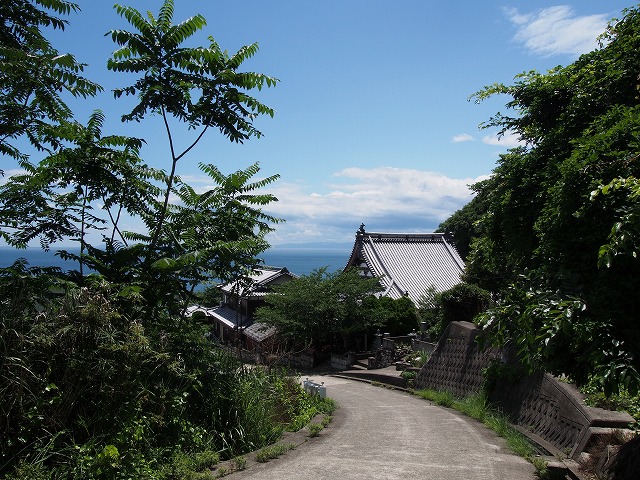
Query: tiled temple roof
409, 264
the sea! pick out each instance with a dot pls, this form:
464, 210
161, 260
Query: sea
298, 260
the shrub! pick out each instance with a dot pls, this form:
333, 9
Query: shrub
239, 463
621, 401
462, 302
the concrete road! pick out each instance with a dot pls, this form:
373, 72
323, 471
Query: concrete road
379, 433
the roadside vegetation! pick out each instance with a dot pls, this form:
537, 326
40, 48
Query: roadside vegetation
101, 374
554, 233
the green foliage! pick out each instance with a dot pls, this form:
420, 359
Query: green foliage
320, 307
101, 376
555, 229
460, 303
417, 358
623, 194
620, 401
67, 357
326, 420
409, 375
209, 297
56, 200
188, 465
34, 75
239, 463
463, 226
199, 86
274, 451
315, 429
397, 316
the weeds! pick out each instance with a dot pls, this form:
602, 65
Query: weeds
315, 429
221, 472
239, 463
442, 398
541, 466
326, 420
273, 451
417, 358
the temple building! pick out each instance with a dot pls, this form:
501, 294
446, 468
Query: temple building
408, 264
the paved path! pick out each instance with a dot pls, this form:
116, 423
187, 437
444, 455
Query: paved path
379, 433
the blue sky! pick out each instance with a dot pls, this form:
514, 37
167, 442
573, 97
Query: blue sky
373, 124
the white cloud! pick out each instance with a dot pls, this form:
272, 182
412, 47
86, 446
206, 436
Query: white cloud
463, 137
557, 30
384, 198
508, 140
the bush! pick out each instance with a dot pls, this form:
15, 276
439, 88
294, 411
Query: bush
621, 401
89, 392
418, 358
461, 302
315, 429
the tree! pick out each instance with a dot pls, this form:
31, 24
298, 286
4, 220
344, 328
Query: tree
218, 234
72, 342
398, 316
56, 199
463, 225
321, 307
460, 303
540, 230
34, 75
199, 86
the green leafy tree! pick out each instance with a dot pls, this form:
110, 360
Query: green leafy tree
56, 199
460, 303
199, 86
218, 234
397, 316
540, 234
34, 75
464, 226
624, 239
321, 308
72, 343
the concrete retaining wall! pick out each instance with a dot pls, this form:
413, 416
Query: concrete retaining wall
550, 411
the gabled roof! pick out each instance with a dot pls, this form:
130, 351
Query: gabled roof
259, 281
409, 263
